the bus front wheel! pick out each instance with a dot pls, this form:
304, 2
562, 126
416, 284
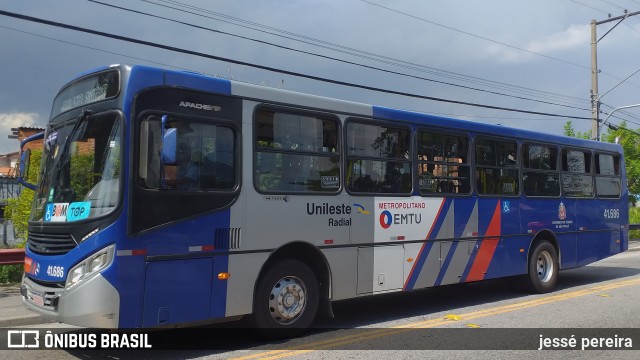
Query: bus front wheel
543, 267
286, 299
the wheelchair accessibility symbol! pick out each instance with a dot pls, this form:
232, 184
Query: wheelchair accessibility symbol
47, 214
506, 207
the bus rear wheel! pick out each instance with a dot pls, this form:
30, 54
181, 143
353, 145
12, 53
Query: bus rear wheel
286, 299
543, 268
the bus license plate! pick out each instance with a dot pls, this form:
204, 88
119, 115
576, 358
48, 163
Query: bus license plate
36, 297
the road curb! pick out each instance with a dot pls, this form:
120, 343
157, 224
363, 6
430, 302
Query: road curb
13, 313
24, 321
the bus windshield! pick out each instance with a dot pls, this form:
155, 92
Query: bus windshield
80, 171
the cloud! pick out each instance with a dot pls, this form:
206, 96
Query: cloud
17, 120
574, 37
13, 120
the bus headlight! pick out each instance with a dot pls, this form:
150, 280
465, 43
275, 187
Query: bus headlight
90, 266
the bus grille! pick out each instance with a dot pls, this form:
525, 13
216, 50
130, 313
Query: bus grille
50, 244
227, 239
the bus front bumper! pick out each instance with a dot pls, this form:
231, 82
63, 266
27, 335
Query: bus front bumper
92, 303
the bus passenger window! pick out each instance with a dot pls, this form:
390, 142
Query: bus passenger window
577, 179
608, 183
541, 176
378, 159
497, 167
296, 153
443, 164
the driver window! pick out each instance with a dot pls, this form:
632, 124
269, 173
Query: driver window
203, 157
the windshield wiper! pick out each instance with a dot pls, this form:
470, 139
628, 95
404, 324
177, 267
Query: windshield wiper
81, 118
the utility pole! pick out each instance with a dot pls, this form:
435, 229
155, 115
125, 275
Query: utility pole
595, 96
595, 100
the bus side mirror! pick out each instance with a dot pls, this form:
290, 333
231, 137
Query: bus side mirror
25, 158
25, 161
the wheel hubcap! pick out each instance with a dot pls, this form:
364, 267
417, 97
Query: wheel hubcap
287, 300
545, 266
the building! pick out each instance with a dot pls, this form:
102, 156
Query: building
9, 162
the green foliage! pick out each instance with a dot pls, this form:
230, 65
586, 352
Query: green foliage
634, 218
569, 131
10, 274
81, 173
18, 209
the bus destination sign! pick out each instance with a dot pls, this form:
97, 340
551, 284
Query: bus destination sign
86, 91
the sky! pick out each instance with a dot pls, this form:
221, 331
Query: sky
531, 56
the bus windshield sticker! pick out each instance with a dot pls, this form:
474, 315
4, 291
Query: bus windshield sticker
78, 211
56, 212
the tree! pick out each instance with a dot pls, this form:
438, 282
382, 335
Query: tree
569, 131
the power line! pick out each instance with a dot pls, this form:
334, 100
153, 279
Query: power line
333, 58
198, 11
475, 35
613, 4
608, 14
490, 40
268, 68
591, 7
622, 112
96, 49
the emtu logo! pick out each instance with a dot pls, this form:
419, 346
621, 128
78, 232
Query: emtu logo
386, 219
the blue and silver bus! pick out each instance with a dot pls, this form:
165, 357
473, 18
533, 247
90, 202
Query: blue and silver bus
168, 198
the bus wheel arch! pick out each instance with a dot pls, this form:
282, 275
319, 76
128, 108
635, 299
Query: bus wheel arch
543, 263
305, 272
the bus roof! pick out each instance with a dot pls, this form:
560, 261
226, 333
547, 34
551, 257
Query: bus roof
257, 92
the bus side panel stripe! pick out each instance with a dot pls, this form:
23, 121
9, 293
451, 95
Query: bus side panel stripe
487, 248
457, 258
417, 267
426, 248
447, 262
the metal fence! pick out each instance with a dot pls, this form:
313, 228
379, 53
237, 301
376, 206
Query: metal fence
9, 188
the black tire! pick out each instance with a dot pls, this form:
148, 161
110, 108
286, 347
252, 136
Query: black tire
286, 300
543, 268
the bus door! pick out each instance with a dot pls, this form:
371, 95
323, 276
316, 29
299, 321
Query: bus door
187, 180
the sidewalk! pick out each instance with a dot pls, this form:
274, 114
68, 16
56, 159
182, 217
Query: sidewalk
14, 314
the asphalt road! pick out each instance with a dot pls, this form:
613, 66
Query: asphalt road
596, 301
